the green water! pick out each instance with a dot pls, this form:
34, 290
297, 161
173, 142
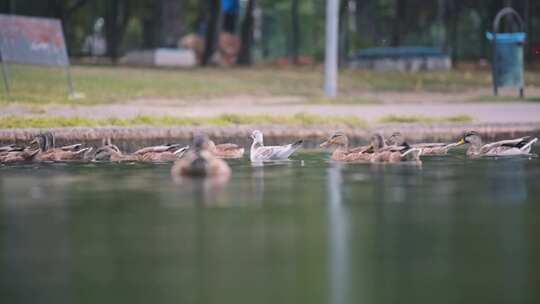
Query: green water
305, 231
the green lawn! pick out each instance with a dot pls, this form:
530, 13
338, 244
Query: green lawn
116, 84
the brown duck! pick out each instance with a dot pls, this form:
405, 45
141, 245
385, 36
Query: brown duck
392, 154
45, 143
201, 162
227, 150
162, 153
397, 139
342, 151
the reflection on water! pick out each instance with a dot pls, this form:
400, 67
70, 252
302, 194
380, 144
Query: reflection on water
338, 242
308, 231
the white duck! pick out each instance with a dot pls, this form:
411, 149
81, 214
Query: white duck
259, 152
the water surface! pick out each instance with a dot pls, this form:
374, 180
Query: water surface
305, 231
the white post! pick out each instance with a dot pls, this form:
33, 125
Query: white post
331, 49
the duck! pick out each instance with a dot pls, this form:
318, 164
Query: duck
16, 154
511, 147
10, 148
226, 150
161, 153
45, 143
397, 139
200, 162
112, 153
383, 153
342, 152
259, 152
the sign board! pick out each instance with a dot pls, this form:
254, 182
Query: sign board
31, 40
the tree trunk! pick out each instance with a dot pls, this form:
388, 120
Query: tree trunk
295, 33
244, 57
366, 20
212, 30
173, 26
116, 20
343, 32
399, 18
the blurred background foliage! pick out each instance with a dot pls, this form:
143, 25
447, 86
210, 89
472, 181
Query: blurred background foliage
284, 28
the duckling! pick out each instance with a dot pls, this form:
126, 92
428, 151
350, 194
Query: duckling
392, 154
200, 162
397, 139
163, 153
342, 152
518, 146
226, 150
259, 152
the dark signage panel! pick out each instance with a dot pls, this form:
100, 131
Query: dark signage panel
31, 40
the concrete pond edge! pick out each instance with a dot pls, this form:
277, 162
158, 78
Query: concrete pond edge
132, 137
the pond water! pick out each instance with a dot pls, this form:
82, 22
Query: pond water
305, 231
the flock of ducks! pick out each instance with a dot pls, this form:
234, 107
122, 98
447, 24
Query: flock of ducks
205, 158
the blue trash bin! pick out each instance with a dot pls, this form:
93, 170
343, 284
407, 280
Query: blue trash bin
508, 55
507, 59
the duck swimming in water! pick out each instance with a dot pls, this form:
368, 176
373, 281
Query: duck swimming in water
259, 152
397, 139
226, 150
200, 162
16, 154
342, 151
162, 153
511, 147
45, 143
392, 154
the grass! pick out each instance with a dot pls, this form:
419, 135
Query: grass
425, 119
12, 122
506, 98
109, 84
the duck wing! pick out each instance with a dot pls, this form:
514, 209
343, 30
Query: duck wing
157, 149
507, 143
74, 147
227, 147
360, 149
514, 147
429, 145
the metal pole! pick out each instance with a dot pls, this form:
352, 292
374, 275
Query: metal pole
68, 71
5, 75
331, 49
70, 82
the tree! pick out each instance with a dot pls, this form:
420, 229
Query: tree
295, 33
163, 23
116, 21
398, 24
246, 35
212, 14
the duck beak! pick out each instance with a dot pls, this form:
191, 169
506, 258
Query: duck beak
461, 142
325, 144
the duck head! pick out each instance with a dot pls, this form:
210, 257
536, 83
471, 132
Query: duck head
105, 153
471, 137
338, 139
377, 142
201, 142
396, 139
39, 143
257, 137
